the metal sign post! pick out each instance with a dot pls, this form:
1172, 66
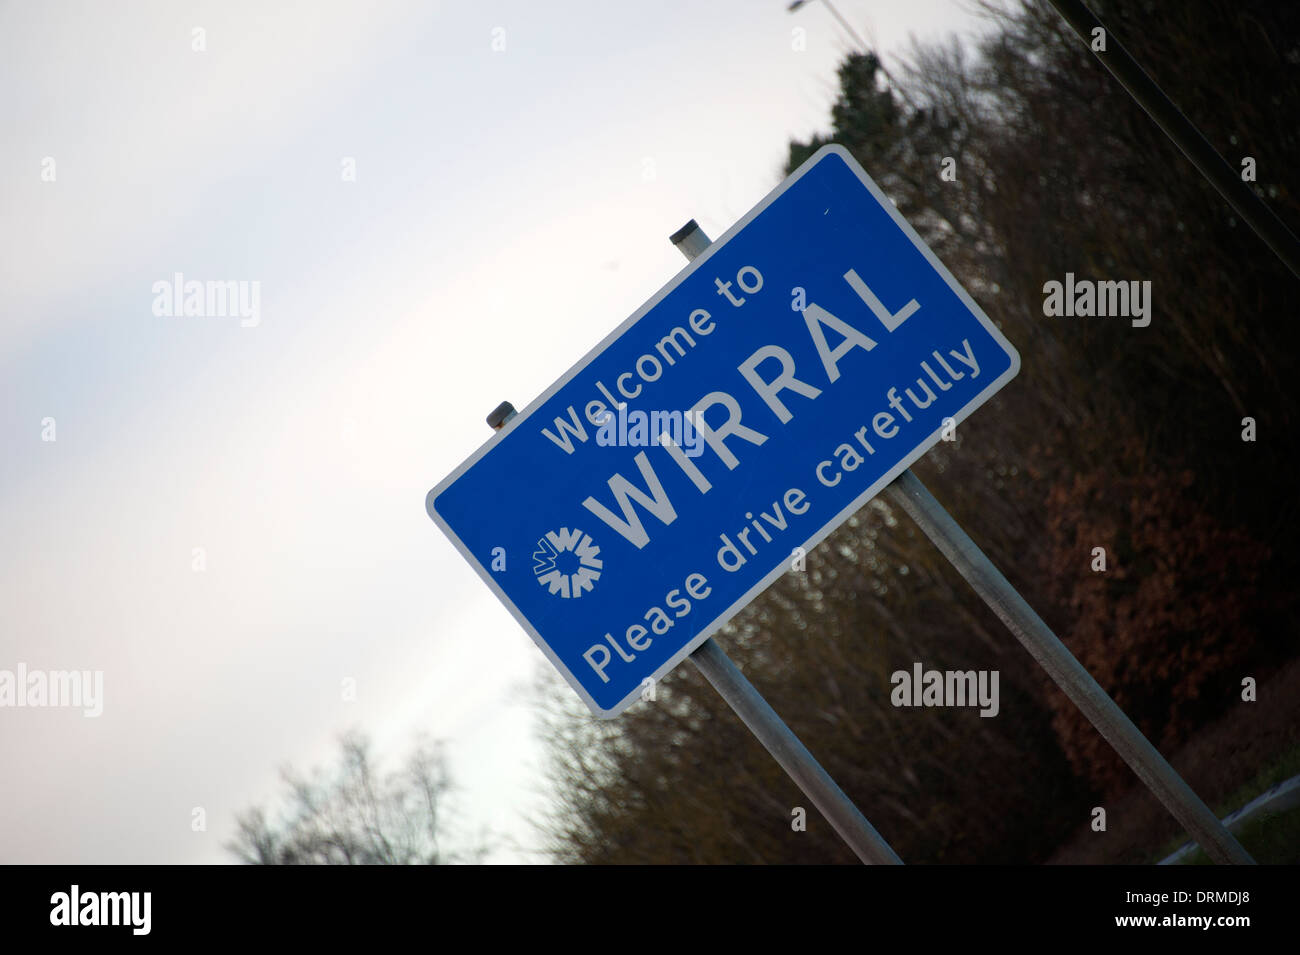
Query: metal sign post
779, 740
1069, 674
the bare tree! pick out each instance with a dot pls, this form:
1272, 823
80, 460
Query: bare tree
357, 816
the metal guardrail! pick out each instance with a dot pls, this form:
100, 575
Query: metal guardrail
1283, 796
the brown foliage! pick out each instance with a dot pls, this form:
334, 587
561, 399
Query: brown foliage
1173, 614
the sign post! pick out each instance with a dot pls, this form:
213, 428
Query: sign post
1069, 674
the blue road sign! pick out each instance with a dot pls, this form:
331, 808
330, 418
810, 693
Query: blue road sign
772, 388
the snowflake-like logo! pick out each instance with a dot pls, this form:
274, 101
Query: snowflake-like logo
567, 562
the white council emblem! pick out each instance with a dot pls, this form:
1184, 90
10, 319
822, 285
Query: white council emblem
567, 562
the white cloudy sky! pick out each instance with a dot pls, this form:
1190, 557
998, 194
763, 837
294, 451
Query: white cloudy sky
510, 208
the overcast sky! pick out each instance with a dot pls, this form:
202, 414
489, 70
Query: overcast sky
444, 206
